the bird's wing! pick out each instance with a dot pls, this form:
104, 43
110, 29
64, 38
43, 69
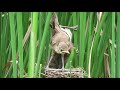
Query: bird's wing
67, 32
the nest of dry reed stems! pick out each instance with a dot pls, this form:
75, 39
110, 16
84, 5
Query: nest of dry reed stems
67, 73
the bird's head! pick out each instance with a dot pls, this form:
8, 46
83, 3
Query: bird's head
63, 47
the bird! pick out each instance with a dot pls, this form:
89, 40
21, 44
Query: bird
61, 40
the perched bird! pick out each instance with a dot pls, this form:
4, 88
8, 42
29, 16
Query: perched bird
61, 43
61, 40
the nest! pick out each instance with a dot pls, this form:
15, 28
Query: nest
67, 73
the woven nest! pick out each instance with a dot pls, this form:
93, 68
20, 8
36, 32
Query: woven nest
67, 73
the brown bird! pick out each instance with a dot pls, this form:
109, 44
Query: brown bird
61, 40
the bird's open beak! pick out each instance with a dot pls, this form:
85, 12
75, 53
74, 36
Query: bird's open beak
66, 52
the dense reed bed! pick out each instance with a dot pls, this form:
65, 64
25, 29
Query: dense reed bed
25, 43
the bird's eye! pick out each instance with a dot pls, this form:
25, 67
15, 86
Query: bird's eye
61, 49
53, 43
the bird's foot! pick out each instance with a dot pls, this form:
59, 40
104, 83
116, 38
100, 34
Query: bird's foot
46, 69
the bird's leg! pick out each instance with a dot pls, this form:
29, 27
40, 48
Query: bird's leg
47, 67
62, 62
